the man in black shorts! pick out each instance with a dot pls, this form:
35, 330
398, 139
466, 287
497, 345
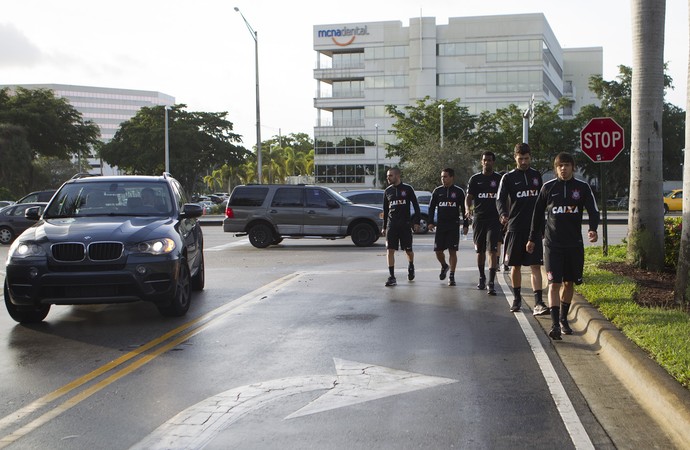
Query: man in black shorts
397, 222
488, 234
520, 188
563, 199
449, 199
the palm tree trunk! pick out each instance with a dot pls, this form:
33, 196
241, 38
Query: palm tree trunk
645, 217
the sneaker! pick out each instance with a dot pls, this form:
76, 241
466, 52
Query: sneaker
482, 284
492, 289
444, 271
451, 281
391, 281
410, 273
540, 309
506, 268
517, 303
555, 333
566, 327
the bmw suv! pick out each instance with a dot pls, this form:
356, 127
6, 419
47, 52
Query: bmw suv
268, 212
111, 239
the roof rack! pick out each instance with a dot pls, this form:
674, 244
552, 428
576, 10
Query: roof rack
79, 175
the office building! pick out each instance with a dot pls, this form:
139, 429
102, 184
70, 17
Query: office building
487, 62
106, 107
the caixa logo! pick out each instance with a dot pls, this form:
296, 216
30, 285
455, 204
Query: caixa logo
343, 36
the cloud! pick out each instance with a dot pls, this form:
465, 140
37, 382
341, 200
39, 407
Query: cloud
16, 49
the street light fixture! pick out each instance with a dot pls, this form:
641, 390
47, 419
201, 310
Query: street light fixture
167, 141
441, 108
255, 36
376, 171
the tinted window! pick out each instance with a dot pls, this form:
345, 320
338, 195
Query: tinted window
288, 197
317, 198
245, 196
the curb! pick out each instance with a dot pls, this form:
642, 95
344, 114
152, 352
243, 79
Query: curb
662, 397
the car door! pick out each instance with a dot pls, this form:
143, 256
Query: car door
287, 210
323, 215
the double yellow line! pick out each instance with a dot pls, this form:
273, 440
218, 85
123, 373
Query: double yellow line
163, 343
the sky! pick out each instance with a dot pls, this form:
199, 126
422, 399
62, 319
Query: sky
202, 53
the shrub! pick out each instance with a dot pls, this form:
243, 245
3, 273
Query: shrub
672, 228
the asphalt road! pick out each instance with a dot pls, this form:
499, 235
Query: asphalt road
301, 346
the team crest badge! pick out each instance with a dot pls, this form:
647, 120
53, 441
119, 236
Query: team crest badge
403, 194
576, 194
453, 195
535, 182
492, 184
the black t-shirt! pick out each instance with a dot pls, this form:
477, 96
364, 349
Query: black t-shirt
520, 188
396, 205
484, 189
450, 202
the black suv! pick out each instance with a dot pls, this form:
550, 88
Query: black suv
111, 239
269, 212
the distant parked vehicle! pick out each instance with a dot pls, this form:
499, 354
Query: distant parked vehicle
37, 196
375, 197
673, 201
12, 221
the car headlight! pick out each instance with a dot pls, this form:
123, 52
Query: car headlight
156, 246
24, 249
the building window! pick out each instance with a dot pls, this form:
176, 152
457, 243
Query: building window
343, 173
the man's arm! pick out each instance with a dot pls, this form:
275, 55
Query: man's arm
593, 213
502, 200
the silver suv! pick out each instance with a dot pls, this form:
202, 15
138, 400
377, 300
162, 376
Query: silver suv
269, 212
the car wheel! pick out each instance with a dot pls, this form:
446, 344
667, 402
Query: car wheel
261, 235
179, 303
6, 235
363, 235
423, 225
277, 241
665, 211
199, 280
24, 314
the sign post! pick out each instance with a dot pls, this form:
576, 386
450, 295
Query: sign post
602, 140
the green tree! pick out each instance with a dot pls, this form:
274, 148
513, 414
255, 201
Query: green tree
426, 158
199, 142
16, 158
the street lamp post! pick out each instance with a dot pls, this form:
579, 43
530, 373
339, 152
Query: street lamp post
255, 36
441, 108
376, 170
167, 141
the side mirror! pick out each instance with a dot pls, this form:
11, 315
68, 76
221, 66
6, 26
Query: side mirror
33, 213
332, 204
192, 210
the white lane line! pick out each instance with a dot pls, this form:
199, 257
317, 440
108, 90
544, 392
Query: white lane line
219, 248
564, 406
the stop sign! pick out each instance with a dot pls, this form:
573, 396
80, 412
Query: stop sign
602, 139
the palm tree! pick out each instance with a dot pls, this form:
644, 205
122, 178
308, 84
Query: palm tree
645, 220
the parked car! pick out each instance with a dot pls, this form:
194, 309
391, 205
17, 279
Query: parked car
100, 241
375, 197
4, 203
12, 221
267, 213
673, 200
37, 196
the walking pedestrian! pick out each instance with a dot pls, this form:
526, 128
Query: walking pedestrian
517, 194
563, 199
480, 204
449, 199
397, 222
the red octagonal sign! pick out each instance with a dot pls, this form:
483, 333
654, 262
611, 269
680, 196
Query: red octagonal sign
602, 139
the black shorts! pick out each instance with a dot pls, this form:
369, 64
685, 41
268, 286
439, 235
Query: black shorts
564, 264
447, 239
487, 235
399, 236
516, 253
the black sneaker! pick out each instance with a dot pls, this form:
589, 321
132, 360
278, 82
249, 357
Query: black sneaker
391, 281
555, 333
540, 309
506, 268
410, 273
482, 284
492, 289
444, 271
451, 281
517, 303
565, 327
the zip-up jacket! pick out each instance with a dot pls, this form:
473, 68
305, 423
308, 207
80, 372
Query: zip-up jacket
396, 205
520, 188
450, 202
563, 202
484, 190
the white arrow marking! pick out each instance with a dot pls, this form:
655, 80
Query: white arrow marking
355, 383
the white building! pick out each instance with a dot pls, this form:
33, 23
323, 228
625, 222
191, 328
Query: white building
106, 107
487, 62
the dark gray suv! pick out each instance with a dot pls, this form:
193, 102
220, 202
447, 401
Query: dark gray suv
268, 213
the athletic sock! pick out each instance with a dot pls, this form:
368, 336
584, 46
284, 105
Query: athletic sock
555, 316
516, 291
565, 307
481, 272
391, 270
538, 297
492, 275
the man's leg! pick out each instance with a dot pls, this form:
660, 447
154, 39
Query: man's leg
410, 264
566, 298
516, 280
390, 258
453, 260
493, 261
555, 304
481, 261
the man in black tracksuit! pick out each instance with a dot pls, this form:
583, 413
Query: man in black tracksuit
563, 199
517, 194
449, 199
397, 222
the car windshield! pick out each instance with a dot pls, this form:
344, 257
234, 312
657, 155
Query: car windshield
108, 198
339, 198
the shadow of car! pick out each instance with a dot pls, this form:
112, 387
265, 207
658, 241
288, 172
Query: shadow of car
13, 221
374, 197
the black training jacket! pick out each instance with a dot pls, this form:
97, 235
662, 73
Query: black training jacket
450, 202
396, 205
520, 189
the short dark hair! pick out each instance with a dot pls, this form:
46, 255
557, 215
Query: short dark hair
522, 149
492, 154
449, 171
563, 158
